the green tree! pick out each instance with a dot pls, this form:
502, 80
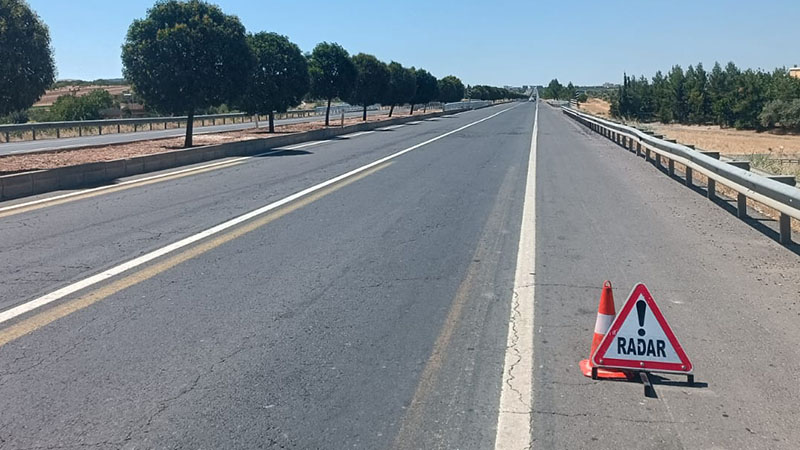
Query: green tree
571, 92
677, 100
26, 60
186, 56
554, 90
372, 82
750, 95
451, 89
85, 107
402, 86
427, 88
279, 78
332, 73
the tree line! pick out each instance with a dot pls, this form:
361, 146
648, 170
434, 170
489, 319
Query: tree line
729, 97
556, 91
187, 56
482, 92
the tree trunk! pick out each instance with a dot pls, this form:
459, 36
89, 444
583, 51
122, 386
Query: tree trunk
412, 110
365, 113
391, 110
328, 114
272, 121
189, 129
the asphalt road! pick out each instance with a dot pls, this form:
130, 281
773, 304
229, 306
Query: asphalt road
371, 308
11, 148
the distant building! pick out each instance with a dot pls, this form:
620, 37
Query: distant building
794, 72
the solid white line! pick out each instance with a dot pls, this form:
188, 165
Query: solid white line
357, 134
136, 262
391, 127
304, 145
516, 394
124, 183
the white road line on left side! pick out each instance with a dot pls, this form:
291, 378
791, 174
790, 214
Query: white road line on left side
391, 127
65, 291
357, 134
516, 394
304, 145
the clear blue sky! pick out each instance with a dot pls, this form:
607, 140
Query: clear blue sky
482, 42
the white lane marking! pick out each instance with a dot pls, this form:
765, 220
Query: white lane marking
391, 127
357, 134
516, 395
414, 122
146, 258
138, 180
303, 145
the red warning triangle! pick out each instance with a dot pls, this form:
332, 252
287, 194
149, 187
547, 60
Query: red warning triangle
641, 339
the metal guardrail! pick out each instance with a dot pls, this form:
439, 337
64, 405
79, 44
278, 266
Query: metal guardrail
145, 123
773, 192
456, 106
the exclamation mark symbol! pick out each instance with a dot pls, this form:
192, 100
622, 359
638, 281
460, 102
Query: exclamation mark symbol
641, 307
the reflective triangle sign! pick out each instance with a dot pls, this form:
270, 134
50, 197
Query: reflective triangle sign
640, 338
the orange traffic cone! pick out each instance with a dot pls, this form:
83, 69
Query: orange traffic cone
605, 316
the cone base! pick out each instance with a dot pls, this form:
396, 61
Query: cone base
586, 368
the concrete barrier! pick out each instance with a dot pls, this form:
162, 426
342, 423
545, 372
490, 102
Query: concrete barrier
74, 177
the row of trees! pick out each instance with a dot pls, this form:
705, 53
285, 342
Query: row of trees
189, 56
481, 92
729, 97
556, 91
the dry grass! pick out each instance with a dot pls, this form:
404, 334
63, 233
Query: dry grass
51, 95
596, 106
49, 160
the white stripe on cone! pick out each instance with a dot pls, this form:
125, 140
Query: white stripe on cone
603, 323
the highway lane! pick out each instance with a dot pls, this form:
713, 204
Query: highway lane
373, 314
12, 148
729, 292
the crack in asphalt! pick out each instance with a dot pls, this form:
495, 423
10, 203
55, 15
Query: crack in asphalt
514, 348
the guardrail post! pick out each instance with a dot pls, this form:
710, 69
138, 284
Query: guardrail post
99, 130
671, 165
8, 137
744, 165
638, 149
711, 189
741, 205
33, 133
58, 133
80, 131
223, 121
119, 129
785, 229
688, 176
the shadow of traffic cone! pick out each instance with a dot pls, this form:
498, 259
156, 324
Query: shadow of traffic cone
605, 316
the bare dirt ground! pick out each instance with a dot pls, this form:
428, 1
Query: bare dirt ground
49, 160
51, 95
596, 106
772, 152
